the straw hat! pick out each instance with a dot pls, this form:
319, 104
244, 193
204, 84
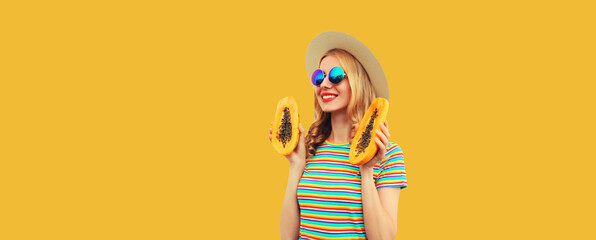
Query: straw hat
333, 39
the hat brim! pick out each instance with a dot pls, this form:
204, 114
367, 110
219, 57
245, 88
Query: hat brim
333, 39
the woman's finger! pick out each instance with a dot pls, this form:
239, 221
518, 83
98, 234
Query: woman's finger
382, 148
385, 130
382, 137
354, 129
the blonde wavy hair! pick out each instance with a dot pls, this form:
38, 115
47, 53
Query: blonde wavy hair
362, 96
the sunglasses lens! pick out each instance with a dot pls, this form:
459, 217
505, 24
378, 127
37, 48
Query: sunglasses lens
336, 75
317, 77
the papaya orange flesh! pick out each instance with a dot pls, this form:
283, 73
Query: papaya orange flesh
285, 132
363, 147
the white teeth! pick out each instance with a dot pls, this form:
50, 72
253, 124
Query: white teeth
329, 96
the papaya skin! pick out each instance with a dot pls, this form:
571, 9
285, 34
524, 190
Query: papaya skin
285, 132
364, 147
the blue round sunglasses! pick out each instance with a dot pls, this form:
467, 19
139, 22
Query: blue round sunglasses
335, 76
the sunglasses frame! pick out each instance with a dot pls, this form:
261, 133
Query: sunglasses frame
345, 75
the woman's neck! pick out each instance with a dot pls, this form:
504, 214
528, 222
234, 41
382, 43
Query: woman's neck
341, 127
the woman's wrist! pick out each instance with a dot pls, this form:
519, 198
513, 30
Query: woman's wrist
366, 171
297, 164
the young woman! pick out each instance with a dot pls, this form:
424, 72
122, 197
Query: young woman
327, 197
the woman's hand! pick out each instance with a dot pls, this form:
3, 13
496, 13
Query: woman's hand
298, 156
379, 206
382, 141
289, 219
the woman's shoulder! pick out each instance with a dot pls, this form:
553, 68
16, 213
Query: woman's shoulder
393, 146
394, 155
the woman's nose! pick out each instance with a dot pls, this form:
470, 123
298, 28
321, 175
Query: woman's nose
326, 83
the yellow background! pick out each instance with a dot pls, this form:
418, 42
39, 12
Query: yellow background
148, 120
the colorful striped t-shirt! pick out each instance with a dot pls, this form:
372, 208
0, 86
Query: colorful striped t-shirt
329, 191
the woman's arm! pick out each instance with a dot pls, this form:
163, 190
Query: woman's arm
379, 208
289, 219
289, 222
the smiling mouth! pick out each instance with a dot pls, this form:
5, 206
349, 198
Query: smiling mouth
327, 98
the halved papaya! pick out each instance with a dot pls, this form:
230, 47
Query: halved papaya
285, 133
363, 147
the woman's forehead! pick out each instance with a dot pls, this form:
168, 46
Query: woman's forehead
329, 62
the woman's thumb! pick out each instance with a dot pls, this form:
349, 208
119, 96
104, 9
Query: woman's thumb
354, 129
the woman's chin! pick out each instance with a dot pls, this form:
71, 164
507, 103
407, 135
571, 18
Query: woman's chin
330, 109
333, 106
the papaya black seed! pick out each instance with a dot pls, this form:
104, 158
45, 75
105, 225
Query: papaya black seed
285, 128
365, 137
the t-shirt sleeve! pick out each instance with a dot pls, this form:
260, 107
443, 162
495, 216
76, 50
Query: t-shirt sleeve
392, 172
